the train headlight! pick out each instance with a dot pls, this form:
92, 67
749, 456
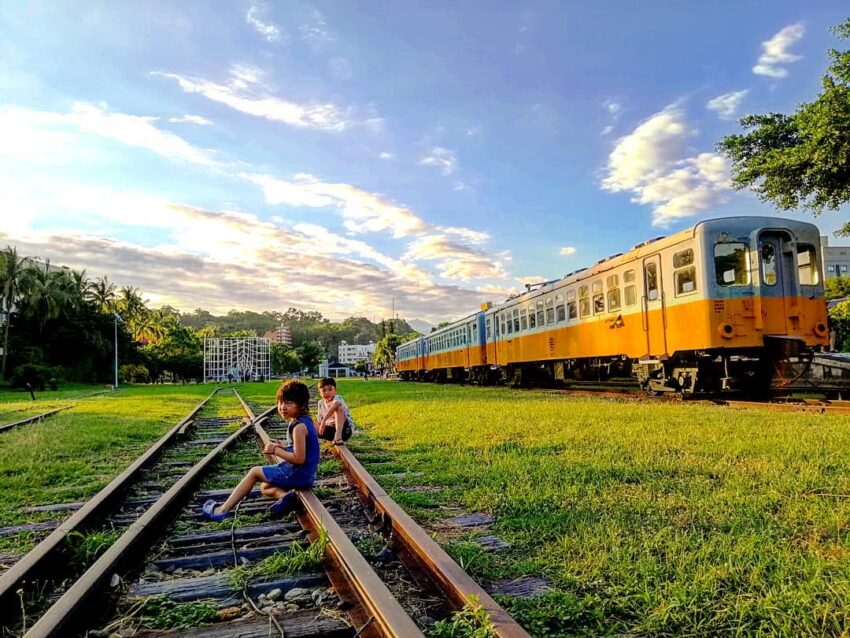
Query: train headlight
820, 329
726, 330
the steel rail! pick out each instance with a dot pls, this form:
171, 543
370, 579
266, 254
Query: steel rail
814, 408
37, 561
37, 417
384, 614
455, 583
64, 616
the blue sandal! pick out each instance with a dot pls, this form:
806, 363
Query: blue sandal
208, 510
284, 505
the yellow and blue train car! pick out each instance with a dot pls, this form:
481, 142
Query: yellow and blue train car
707, 308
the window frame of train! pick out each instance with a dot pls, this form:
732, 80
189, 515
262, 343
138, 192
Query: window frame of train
560, 309
598, 296
652, 279
584, 301
523, 318
811, 265
572, 306
612, 286
532, 317
740, 267
684, 272
629, 277
541, 316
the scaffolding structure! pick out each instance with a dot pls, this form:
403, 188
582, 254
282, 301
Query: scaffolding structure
236, 359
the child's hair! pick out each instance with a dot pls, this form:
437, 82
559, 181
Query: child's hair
296, 392
327, 381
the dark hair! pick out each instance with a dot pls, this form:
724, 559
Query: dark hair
327, 381
296, 392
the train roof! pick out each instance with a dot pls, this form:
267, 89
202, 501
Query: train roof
737, 226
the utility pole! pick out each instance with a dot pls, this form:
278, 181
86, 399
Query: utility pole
117, 318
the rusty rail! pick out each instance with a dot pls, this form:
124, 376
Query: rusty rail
455, 583
382, 614
8, 426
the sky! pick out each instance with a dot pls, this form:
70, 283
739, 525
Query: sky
359, 157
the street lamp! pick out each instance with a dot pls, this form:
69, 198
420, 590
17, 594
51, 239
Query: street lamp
117, 318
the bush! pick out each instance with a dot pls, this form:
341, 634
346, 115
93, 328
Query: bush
37, 377
134, 373
839, 320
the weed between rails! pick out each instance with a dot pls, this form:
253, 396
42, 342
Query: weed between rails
298, 559
87, 547
471, 621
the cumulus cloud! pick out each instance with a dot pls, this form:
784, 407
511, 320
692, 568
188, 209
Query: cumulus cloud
456, 260
191, 119
442, 158
775, 52
566, 251
650, 163
245, 91
726, 105
266, 29
386, 156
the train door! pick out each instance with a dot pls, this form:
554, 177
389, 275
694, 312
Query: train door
776, 263
653, 307
469, 343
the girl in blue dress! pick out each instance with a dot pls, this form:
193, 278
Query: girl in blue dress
298, 464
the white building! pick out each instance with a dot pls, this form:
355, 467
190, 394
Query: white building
836, 259
350, 353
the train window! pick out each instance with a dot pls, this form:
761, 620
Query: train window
768, 264
532, 321
732, 264
540, 321
597, 286
630, 295
683, 258
583, 291
560, 313
807, 268
612, 282
509, 323
502, 324
516, 319
584, 301
651, 274
523, 319
550, 311
613, 299
598, 303
489, 331
571, 295
685, 280
572, 310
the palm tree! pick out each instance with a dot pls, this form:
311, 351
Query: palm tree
45, 293
12, 268
102, 293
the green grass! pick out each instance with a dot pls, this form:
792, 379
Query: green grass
649, 518
70, 456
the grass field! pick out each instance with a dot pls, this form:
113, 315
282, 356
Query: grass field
70, 456
648, 518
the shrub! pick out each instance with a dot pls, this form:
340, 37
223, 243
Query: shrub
839, 320
134, 373
37, 377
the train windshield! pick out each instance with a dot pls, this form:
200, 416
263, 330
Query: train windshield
807, 269
732, 264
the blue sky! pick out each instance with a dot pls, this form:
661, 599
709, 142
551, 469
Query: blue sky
343, 157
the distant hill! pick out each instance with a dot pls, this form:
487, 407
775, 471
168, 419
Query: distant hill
420, 325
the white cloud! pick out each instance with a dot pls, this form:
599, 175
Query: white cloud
456, 260
314, 31
649, 162
613, 106
566, 251
726, 105
531, 280
387, 156
442, 158
607, 129
48, 132
776, 52
191, 119
246, 93
266, 29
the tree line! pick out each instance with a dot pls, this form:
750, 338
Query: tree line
58, 323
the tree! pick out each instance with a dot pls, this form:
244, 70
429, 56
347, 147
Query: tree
800, 160
102, 293
45, 294
384, 356
12, 268
310, 353
836, 287
839, 320
283, 359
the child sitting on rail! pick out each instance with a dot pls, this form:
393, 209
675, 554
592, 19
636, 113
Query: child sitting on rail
335, 422
298, 464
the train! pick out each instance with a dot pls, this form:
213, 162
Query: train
718, 307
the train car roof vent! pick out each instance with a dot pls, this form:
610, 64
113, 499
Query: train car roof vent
608, 258
647, 242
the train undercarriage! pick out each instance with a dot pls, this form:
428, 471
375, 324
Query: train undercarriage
783, 364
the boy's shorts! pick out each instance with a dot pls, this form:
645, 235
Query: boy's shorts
330, 432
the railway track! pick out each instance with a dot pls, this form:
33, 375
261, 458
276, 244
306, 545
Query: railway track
352, 564
32, 419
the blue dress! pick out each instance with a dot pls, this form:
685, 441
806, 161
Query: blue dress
288, 475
